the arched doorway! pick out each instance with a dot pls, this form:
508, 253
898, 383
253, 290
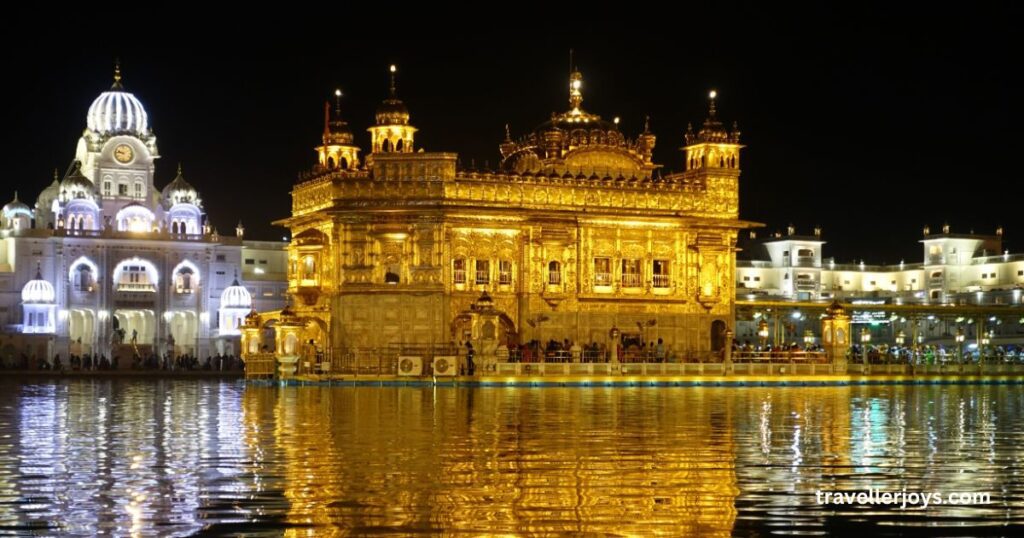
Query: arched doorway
718, 328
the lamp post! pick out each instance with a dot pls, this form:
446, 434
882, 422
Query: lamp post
960, 345
614, 335
985, 341
762, 332
808, 339
865, 339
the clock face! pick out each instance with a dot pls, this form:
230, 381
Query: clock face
124, 153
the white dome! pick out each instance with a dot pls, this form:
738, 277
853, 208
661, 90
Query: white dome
235, 296
16, 207
117, 111
38, 291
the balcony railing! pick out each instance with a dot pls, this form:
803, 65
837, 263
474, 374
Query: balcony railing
602, 279
136, 286
661, 281
631, 280
459, 276
505, 279
554, 278
483, 277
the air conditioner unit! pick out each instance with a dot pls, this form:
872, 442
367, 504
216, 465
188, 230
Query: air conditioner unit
446, 366
410, 366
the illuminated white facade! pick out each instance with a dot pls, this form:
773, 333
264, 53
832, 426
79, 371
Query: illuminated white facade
955, 269
104, 252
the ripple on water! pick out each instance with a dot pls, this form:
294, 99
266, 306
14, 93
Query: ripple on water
98, 457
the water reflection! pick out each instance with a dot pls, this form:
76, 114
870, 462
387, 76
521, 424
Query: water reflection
184, 457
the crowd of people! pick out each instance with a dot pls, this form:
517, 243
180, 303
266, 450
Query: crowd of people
569, 351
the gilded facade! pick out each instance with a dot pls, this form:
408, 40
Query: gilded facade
576, 232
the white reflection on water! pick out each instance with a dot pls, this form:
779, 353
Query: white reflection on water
178, 458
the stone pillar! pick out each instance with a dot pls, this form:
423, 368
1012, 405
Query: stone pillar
727, 367
614, 334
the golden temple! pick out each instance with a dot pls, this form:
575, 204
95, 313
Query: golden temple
577, 232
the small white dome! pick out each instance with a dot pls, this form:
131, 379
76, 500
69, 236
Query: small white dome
16, 207
117, 111
38, 290
235, 296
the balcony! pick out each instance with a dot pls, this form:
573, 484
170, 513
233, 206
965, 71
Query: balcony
459, 276
483, 277
631, 280
661, 281
505, 279
602, 279
554, 278
136, 287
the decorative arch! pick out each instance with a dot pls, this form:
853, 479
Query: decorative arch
185, 282
123, 272
135, 218
82, 260
184, 218
718, 328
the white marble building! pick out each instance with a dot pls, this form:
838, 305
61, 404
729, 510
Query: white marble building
104, 249
954, 269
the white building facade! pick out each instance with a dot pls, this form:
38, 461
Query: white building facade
959, 269
105, 259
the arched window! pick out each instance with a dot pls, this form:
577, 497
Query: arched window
459, 271
83, 277
391, 275
309, 268
554, 273
398, 146
385, 145
344, 163
330, 162
183, 280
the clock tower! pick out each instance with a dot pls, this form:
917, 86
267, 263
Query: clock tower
117, 150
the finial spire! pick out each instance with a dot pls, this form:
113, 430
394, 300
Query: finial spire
337, 101
712, 95
393, 70
179, 168
508, 134
575, 92
117, 75
647, 123
39, 271
55, 176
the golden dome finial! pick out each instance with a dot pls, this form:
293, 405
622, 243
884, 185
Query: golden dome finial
575, 91
712, 95
508, 133
117, 74
337, 101
393, 70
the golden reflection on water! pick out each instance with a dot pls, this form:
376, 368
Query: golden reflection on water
143, 458
502, 461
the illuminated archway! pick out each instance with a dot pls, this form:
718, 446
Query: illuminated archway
186, 277
83, 273
135, 274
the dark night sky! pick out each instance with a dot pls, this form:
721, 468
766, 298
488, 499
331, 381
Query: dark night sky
870, 130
